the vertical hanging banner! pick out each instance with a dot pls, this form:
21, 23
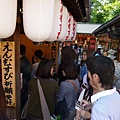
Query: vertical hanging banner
8, 72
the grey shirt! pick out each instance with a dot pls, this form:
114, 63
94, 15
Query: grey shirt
68, 91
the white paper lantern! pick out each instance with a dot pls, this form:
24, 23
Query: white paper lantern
38, 18
64, 25
57, 23
8, 13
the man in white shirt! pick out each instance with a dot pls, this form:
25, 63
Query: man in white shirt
105, 98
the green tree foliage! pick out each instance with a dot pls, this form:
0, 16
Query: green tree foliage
104, 10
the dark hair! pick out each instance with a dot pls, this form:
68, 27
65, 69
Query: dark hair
44, 68
70, 70
22, 49
74, 54
66, 54
38, 53
2, 100
87, 52
104, 68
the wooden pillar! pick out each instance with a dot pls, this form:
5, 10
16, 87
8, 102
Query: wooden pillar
14, 112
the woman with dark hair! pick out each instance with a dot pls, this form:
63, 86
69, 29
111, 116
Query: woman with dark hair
66, 55
74, 55
3, 115
83, 67
49, 86
69, 89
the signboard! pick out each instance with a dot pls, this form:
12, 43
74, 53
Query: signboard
54, 54
8, 72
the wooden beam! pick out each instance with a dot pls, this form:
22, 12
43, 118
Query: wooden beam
14, 112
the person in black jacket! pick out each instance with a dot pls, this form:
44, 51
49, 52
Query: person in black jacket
25, 70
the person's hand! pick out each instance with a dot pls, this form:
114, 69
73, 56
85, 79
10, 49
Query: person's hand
80, 115
85, 114
87, 105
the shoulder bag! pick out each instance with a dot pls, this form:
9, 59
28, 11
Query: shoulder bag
44, 107
73, 84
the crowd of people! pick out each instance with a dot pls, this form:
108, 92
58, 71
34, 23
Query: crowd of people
82, 91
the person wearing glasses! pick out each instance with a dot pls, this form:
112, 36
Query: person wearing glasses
83, 67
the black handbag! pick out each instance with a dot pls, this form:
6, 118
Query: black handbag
62, 109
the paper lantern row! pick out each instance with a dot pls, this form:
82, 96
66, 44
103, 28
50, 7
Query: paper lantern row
48, 22
8, 13
43, 20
